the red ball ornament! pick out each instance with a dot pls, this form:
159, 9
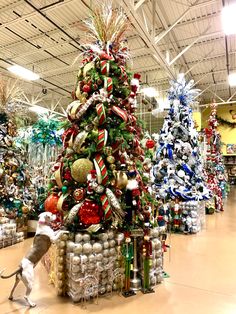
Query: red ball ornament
86, 88
150, 144
67, 175
50, 204
90, 213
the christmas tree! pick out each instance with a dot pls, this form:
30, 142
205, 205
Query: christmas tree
98, 179
15, 185
216, 173
178, 169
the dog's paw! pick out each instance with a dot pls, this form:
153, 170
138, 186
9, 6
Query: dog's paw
30, 303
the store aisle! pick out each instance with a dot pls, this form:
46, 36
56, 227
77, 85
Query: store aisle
202, 277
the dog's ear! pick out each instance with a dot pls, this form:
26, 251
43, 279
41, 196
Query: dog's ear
42, 217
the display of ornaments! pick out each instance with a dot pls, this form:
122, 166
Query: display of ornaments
8, 234
85, 266
92, 270
190, 217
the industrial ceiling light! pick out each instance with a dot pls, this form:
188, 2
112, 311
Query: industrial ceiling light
150, 91
38, 109
23, 72
232, 79
228, 19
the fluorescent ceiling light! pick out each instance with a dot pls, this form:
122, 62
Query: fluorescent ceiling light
38, 109
228, 19
150, 91
232, 79
23, 72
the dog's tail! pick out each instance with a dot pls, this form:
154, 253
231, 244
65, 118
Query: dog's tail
10, 275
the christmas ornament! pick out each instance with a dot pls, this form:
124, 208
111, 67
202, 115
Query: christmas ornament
80, 169
89, 213
79, 194
101, 170
50, 203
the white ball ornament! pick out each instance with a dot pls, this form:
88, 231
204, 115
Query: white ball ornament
106, 245
103, 237
158, 262
112, 252
102, 290
91, 258
110, 234
109, 287
78, 248
78, 237
84, 259
112, 243
76, 260
70, 246
86, 237
99, 257
87, 248
181, 173
106, 252
97, 247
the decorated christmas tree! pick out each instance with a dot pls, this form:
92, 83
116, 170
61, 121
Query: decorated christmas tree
99, 185
97, 180
178, 169
15, 184
216, 173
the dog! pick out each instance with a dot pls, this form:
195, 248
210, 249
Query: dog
43, 239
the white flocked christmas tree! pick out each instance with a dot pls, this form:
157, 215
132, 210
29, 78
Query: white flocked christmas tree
178, 168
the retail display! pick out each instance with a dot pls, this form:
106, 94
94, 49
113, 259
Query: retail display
15, 185
178, 168
216, 172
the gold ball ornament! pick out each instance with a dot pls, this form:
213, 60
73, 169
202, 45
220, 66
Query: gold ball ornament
25, 209
64, 237
111, 159
60, 260
60, 275
112, 167
60, 267
80, 169
121, 179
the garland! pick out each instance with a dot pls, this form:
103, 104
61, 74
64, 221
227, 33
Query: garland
226, 122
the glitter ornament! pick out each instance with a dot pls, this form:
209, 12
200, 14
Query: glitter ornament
80, 169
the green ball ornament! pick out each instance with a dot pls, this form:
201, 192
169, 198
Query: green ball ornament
17, 203
50, 185
64, 189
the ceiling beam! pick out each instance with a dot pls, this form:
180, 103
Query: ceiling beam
145, 35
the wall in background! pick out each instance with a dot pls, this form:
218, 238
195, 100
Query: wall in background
228, 134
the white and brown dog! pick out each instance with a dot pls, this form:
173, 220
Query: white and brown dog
43, 239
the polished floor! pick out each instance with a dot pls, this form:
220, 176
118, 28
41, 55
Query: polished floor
202, 271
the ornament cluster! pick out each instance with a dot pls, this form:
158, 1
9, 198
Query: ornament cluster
15, 186
215, 169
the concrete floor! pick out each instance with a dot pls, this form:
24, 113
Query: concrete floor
201, 267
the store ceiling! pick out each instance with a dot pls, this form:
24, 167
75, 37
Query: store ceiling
44, 36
